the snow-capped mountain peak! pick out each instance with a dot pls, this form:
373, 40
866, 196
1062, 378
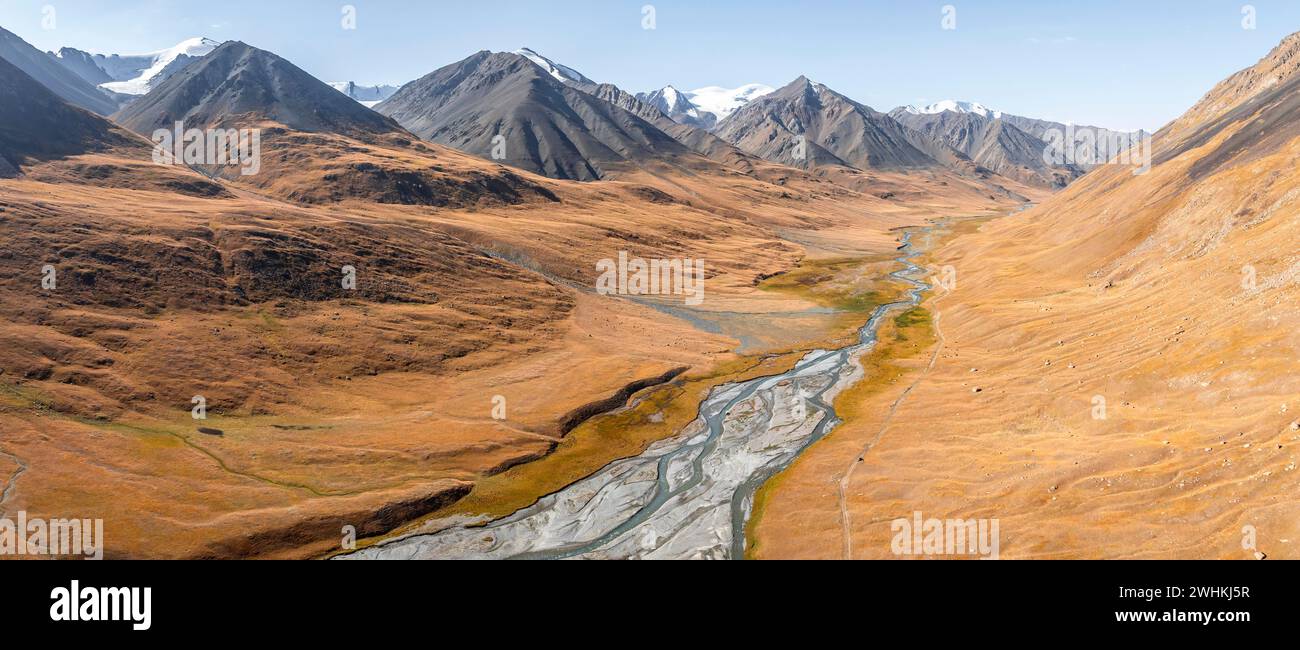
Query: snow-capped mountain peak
670, 100
724, 101
705, 107
561, 72
678, 107
135, 74
368, 96
954, 106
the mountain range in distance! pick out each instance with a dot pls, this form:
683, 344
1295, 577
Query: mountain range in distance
63, 82
507, 107
367, 95
239, 80
704, 107
534, 99
137, 74
955, 132
990, 139
133, 74
470, 103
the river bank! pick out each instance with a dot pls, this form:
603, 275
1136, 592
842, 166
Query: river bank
688, 496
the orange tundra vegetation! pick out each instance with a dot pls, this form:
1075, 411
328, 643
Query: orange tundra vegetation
328, 407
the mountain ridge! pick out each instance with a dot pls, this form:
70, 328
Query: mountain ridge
834, 130
704, 107
37, 124
545, 125
992, 141
133, 74
240, 82
63, 82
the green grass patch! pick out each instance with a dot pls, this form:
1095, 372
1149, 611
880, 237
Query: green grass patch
911, 322
25, 397
836, 283
661, 412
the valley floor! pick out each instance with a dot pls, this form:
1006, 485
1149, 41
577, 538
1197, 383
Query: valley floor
379, 411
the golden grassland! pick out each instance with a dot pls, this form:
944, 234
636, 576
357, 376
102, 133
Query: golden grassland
905, 337
654, 414
1127, 291
374, 409
852, 286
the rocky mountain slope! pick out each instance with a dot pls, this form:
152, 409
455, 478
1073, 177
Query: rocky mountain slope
317, 144
133, 74
36, 124
544, 125
60, 80
983, 134
1114, 371
678, 107
239, 82
704, 107
993, 142
834, 130
367, 95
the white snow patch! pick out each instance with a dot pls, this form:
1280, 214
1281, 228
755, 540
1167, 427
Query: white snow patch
368, 96
194, 47
560, 72
725, 101
951, 105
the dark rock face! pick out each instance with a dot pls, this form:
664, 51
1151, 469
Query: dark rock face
237, 83
504, 102
994, 143
39, 125
836, 131
83, 65
674, 104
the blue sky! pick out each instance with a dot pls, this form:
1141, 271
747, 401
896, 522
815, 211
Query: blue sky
1121, 64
